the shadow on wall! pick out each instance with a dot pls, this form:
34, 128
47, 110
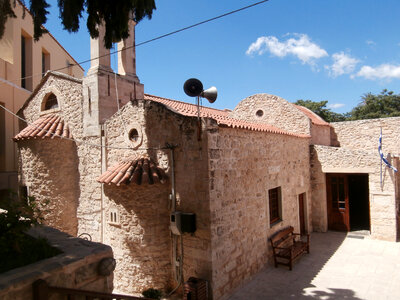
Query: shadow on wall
142, 235
191, 179
280, 283
50, 169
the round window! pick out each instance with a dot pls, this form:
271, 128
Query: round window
259, 113
134, 135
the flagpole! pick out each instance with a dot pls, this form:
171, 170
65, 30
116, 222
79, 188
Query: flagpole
381, 159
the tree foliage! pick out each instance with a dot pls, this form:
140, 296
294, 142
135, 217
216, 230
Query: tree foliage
384, 105
17, 215
319, 107
115, 15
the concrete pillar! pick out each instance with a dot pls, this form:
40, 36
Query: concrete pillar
127, 54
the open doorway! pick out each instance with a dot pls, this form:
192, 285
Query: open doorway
348, 202
359, 202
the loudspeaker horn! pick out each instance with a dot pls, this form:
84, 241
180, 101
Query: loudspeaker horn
193, 87
210, 94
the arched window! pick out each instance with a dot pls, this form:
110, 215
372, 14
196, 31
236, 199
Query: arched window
50, 102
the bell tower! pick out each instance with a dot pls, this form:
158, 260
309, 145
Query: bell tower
101, 85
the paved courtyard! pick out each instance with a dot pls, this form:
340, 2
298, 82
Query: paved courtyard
339, 266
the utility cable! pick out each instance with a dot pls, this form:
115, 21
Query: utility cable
79, 142
148, 41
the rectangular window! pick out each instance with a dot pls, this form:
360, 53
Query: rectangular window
2, 139
23, 62
275, 205
45, 61
26, 62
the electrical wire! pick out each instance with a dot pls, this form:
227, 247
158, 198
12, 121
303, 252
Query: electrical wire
148, 41
79, 142
117, 99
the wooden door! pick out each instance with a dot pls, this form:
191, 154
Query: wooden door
301, 214
338, 202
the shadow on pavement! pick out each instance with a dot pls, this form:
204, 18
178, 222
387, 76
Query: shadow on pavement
280, 283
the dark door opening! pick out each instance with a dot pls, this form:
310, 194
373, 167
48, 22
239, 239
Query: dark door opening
301, 214
348, 202
359, 202
338, 202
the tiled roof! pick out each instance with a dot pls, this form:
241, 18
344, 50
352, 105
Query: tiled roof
49, 126
137, 170
315, 119
221, 116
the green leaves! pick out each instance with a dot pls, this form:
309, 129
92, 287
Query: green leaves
6, 12
321, 110
384, 105
114, 14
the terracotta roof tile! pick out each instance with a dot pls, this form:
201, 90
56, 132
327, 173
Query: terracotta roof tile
315, 119
221, 116
137, 170
49, 126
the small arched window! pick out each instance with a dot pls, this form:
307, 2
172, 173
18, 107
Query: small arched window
50, 102
134, 135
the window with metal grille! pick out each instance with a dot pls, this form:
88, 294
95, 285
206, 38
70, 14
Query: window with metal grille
274, 197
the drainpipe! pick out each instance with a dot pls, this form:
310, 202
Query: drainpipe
173, 195
177, 262
103, 161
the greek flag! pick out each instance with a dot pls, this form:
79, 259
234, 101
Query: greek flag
381, 154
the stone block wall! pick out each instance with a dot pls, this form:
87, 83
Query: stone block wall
320, 135
272, 110
143, 243
383, 210
48, 167
243, 166
364, 134
49, 170
75, 268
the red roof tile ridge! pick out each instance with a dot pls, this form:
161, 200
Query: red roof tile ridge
47, 126
138, 169
222, 117
188, 104
315, 119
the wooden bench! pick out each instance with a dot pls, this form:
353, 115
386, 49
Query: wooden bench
287, 248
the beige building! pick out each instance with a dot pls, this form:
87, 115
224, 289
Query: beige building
23, 63
126, 170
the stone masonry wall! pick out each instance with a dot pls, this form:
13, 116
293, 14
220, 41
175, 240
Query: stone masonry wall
382, 197
364, 134
272, 110
244, 165
320, 135
76, 267
49, 170
142, 242
49, 166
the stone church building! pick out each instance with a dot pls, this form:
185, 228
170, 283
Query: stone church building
115, 163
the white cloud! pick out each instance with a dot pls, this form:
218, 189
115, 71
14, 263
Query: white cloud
342, 64
336, 105
370, 43
384, 71
302, 47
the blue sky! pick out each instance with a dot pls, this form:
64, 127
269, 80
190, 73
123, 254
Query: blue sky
335, 50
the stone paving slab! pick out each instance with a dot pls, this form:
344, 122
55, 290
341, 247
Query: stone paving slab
338, 267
